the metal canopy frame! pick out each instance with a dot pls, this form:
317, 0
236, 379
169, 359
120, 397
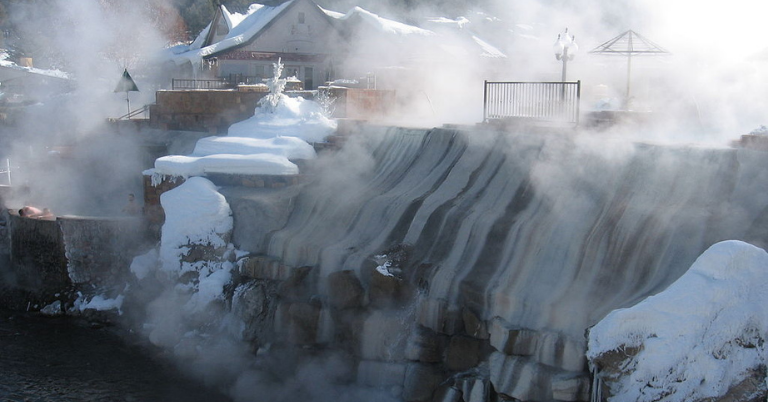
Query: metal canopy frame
629, 44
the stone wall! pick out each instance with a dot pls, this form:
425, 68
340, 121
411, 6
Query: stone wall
211, 111
50, 256
359, 103
37, 254
99, 250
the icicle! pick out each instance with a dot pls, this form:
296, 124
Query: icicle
597, 386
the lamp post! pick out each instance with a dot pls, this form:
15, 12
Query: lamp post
565, 49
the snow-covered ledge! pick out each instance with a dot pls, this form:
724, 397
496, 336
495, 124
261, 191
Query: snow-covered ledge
703, 338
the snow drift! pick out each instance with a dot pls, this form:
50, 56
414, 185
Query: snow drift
698, 338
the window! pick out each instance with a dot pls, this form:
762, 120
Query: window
309, 73
301, 18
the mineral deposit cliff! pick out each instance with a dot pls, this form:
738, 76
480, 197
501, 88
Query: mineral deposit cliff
467, 264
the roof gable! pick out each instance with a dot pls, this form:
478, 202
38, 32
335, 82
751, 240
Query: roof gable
259, 19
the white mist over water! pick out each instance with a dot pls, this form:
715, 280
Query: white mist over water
712, 91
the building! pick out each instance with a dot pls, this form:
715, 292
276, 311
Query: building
244, 46
317, 45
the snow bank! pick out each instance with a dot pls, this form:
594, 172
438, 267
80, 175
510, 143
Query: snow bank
698, 337
293, 117
261, 145
255, 164
195, 213
289, 147
99, 303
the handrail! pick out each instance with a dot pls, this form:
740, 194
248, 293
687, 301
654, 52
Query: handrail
133, 113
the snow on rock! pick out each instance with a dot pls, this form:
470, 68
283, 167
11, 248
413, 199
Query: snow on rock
292, 117
52, 309
195, 213
99, 303
143, 264
264, 144
254, 164
289, 147
210, 287
698, 338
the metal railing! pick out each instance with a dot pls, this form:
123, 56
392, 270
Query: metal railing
188, 83
228, 82
6, 172
555, 102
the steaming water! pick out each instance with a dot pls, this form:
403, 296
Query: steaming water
548, 232
58, 359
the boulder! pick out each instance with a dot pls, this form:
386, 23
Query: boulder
436, 315
421, 380
426, 346
299, 286
345, 290
546, 347
381, 374
463, 353
474, 326
384, 336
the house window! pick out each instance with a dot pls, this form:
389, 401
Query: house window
301, 18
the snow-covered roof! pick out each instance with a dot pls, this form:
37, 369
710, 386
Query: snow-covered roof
376, 22
242, 28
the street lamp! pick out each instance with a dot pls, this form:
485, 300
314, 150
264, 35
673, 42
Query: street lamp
565, 49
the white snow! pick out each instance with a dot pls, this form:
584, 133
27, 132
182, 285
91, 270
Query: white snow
99, 303
210, 287
258, 164
261, 145
691, 333
142, 265
380, 24
293, 117
488, 49
384, 269
458, 22
195, 213
4, 62
52, 309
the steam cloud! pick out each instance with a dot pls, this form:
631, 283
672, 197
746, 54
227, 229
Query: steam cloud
710, 89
